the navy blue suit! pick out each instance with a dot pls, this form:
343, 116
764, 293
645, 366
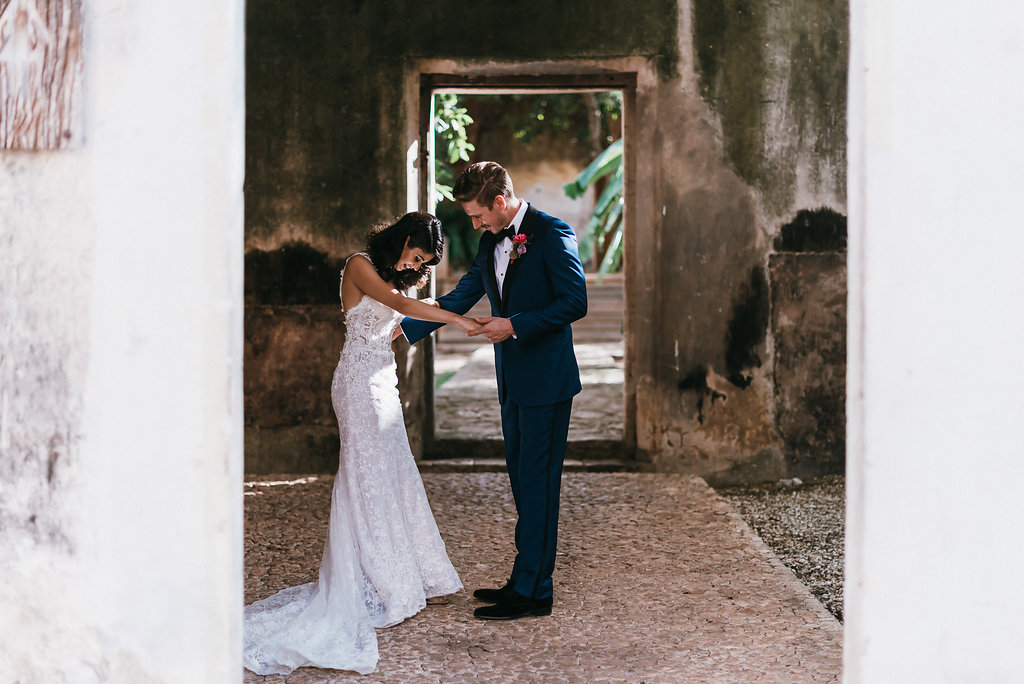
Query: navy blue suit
544, 292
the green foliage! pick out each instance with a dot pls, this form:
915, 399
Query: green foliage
451, 142
529, 117
592, 119
605, 227
452, 147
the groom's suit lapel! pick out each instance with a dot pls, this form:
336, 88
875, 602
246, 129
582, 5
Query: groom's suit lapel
527, 229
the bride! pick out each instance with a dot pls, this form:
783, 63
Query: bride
384, 559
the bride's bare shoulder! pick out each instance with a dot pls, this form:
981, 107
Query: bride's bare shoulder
354, 278
364, 258
359, 264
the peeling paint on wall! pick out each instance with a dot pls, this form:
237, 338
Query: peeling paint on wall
43, 337
40, 74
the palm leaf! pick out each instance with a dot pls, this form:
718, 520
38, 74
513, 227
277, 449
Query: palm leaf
605, 163
613, 255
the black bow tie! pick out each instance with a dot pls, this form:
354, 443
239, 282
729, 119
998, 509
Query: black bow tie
509, 233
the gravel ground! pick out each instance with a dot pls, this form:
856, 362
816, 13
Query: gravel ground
804, 525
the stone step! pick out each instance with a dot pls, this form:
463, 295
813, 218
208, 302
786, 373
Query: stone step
455, 343
582, 450
497, 465
578, 328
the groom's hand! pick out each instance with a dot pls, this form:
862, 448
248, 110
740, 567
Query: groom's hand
494, 329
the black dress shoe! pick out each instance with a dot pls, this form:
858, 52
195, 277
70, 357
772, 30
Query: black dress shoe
493, 595
514, 606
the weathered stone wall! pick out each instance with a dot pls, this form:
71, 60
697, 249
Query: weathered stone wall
765, 139
775, 74
809, 330
737, 125
326, 111
326, 131
808, 277
290, 424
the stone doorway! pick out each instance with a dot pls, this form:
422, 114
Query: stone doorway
462, 418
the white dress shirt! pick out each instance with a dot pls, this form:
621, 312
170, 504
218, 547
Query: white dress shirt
503, 249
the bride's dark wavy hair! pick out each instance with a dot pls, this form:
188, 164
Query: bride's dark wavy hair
386, 240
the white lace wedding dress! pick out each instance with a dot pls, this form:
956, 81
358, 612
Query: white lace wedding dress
384, 556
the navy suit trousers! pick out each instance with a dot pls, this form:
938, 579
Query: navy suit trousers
535, 439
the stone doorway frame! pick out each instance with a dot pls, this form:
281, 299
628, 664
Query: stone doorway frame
633, 77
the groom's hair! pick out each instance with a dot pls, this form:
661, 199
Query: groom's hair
482, 182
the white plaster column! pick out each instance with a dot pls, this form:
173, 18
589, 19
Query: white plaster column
935, 514
121, 343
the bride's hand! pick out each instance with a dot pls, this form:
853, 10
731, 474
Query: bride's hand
467, 324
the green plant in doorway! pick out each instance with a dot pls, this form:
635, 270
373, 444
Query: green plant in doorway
452, 145
451, 142
605, 226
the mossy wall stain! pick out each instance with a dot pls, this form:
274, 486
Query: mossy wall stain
809, 331
324, 152
775, 73
729, 39
817, 64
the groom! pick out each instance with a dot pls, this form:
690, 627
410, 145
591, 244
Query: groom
529, 267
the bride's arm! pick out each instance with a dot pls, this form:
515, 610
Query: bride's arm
361, 273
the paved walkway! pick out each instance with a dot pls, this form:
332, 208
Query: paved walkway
658, 579
466, 405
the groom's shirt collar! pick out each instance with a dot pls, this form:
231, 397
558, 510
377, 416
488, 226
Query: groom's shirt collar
503, 248
517, 220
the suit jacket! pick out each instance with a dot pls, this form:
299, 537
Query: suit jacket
544, 292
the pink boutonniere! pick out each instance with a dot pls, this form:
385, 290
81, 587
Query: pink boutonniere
519, 243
